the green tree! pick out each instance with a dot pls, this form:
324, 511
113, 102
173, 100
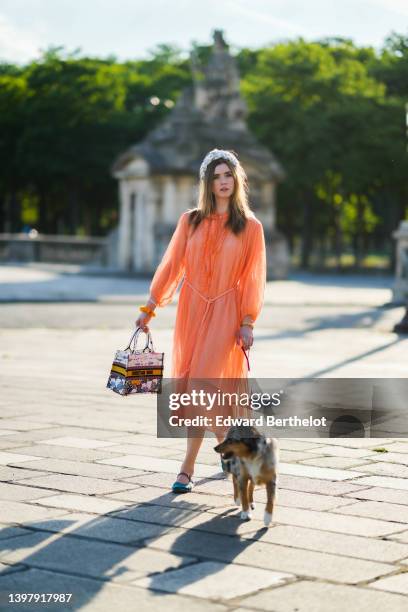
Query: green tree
325, 113
77, 114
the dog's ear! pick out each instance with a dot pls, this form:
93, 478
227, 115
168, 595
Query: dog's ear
251, 444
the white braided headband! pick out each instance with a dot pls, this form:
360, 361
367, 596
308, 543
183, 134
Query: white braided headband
217, 154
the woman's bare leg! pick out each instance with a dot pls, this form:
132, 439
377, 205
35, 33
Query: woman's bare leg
221, 434
193, 446
220, 437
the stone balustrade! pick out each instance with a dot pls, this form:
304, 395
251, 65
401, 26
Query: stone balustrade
56, 249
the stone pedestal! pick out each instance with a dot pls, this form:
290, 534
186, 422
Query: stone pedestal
400, 289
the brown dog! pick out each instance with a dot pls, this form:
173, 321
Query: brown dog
252, 459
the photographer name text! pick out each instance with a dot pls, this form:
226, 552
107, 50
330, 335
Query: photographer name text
259, 421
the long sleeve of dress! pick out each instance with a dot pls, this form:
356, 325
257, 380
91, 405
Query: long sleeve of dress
171, 268
253, 277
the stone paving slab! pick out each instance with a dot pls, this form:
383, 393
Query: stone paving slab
226, 522
398, 457
339, 463
378, 510
400, 446
215, 485
150, 441
186, 516
11, 409
372, 549
395, 584
96, 595
8, 569
402, 536
270, 556
380, 468
29, 436
393, 496
105, 528
332, 521
6, 445
80, 432
214, 580
383, 481
77, 484
7, 432
75, 468
342, 451
78, 442
8, 458
11, 531
362, 443
15, 492
318, 597
85, 503
65, 452
134, 449
154, 464
314, 485
290, 456
156, 496
8, 473
87, 557
22, 424
307, 501
18, 512
318, 472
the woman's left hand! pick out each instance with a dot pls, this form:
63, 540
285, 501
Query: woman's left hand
245, 337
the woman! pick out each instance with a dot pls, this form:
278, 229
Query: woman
219, 248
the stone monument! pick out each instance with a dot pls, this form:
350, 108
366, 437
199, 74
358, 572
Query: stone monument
158, 177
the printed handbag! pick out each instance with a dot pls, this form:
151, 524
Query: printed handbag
137, 371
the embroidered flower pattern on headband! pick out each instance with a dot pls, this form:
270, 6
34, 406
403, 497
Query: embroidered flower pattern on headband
217, 154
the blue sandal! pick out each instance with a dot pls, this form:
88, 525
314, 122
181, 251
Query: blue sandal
181, 487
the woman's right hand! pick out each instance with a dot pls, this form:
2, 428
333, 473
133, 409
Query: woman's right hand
142, 321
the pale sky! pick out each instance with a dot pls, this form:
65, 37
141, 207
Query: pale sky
129, 28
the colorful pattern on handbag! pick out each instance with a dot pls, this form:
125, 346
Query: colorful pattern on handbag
137, 371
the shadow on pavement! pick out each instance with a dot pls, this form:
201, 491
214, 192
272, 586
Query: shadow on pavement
81, 558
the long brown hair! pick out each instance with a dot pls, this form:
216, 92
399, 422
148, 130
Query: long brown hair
239, 209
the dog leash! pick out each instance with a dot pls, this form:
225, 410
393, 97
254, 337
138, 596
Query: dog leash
246, 357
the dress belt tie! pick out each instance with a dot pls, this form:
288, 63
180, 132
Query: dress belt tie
209, 301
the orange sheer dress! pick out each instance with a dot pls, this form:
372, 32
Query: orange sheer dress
224, 279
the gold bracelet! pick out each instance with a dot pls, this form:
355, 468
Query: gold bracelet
147, 311
247, 325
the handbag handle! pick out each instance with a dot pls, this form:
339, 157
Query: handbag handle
135, 336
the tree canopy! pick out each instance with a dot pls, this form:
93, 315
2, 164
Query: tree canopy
332, 112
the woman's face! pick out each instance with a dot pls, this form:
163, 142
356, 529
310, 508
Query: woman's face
223, 181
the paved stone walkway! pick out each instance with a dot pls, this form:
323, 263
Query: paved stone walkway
85, 503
